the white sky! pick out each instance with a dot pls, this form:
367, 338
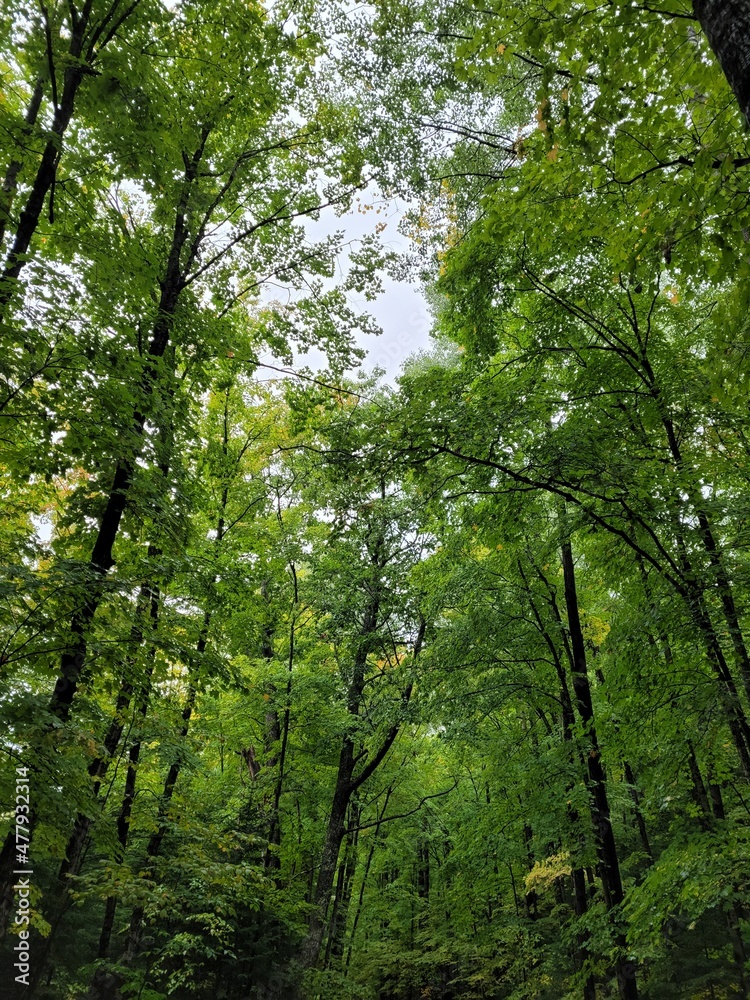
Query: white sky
401, 310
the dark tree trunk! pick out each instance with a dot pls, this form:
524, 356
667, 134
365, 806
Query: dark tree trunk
347, 782
343, 894
102, 559
580, 896
715, 557
691, 591
123, 818
343, 791
733, 709
606, 847
727, 27
45, 178
329, 856
273, 751
135, 931
580, 905
530, 899
75, 852
711, 805
85, 36
693, 583
98, 768
10, 183
368, 864
641, 822
699, 789
630, 778
423, 876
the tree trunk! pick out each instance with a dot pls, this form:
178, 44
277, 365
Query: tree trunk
694, 584
98, 768
75, 852
365, 874
606, 847
123, 818
81, 53
346, 780
135, 931
711, 806
580, 897
715, 557
641, 822
691, 591
343, 894
10, 183
343, 791
630, 778
727, 27
102, 559
43, 181
329, 856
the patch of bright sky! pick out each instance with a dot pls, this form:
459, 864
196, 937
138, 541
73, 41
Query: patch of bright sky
400, 310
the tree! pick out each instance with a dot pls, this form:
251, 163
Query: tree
365, 691
222, 170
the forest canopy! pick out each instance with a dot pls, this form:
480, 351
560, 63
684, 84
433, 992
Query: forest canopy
318, 687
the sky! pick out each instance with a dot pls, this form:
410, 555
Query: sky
401, 310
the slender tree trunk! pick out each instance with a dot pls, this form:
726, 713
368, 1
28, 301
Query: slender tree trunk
698, 789
10, 182
135, 931
272, 740
82, 51
711, 806
640, 821
97, 770
580, 896
693, 583
272, 859
607, 849
730, 699
126, 809
43, 182
630, 778
343, 791
102, 559
149, 595
343, 894
692, 593
715, 557
530, 898
329, 856
346, 780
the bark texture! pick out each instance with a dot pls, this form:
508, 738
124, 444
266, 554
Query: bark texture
727, 27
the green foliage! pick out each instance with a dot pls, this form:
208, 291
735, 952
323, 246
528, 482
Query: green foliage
437, 691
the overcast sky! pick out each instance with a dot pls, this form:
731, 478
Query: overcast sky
400, 310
